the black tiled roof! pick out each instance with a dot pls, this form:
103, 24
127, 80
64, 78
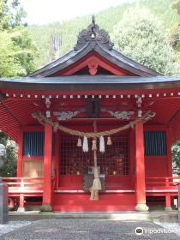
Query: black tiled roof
99, 82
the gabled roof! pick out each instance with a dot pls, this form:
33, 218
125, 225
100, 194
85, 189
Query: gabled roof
94, 40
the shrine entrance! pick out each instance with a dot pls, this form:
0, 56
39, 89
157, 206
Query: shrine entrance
114, 161
113, 164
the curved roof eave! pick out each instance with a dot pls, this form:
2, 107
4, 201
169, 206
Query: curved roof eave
99, 82
60, 62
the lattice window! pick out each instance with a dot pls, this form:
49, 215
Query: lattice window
115, 160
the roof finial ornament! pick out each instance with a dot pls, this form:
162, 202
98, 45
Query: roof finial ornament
93, 34
93, 20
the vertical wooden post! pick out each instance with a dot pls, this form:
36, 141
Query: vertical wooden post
47, 193
21, 203
21, 198
168, 202
20, 155
140, 169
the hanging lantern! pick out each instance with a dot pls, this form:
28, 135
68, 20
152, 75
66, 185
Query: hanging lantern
85, 144
94, 145
79, 143
102, 145
109, 141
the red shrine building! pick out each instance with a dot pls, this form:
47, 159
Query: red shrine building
92, 122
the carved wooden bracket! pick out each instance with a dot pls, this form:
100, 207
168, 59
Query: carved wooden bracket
93, 68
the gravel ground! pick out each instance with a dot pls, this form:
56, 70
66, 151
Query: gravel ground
12, 225
174, 227
89, 229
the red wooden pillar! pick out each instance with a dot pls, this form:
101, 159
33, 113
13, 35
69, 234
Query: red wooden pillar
20, 155
168, 202
140, 169
47, 193
168, 199
21, 203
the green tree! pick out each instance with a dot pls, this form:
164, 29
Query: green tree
173, 35
11, 14
140, 35
176, 157
4, 15
16, 53
176, 6
17, 50
18, 14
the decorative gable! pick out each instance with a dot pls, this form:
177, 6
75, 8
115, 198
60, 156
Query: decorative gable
93, 55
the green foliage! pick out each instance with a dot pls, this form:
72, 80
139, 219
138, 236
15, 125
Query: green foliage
140, 36
9, 168
173, 37
174, 33
4, 16
106, 19
17, 49
176, 157
17, 13
16, 53
176, 6
11, 14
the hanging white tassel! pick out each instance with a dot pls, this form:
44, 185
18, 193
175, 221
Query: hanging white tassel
94, 147
109, 141
79, 143
85, 144
102, 145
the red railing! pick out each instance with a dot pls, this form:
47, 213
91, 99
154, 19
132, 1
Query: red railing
25, 184
162, 182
